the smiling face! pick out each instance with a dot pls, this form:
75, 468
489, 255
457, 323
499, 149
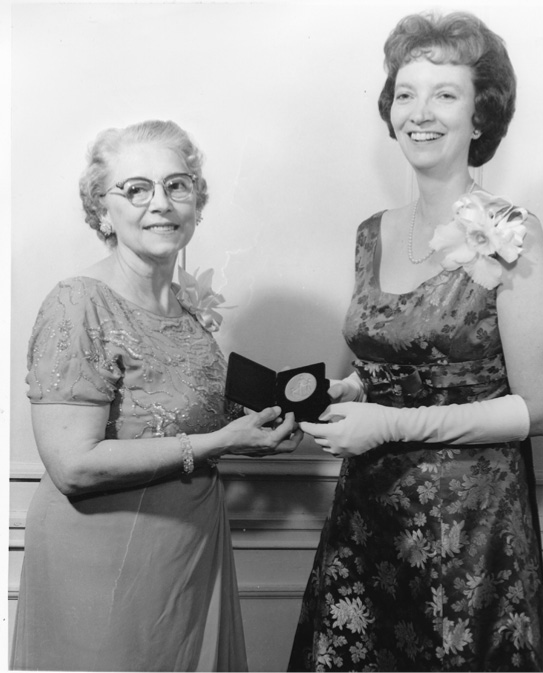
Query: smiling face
157, 231
432, 114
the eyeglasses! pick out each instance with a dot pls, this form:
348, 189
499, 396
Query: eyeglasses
140, 191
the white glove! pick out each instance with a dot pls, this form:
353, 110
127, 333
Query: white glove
351, 389
357, 428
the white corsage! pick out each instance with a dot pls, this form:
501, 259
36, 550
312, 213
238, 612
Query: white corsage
483, 227
197, 297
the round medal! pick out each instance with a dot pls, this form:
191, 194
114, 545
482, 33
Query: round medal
300, 387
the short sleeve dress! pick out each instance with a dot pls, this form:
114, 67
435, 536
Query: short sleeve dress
430, 559
139, 578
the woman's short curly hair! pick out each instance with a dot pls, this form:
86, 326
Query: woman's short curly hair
459, 38
111, 142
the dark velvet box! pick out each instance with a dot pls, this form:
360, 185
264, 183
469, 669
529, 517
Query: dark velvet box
303, 390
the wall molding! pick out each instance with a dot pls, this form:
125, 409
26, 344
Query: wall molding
232, 468
246, 591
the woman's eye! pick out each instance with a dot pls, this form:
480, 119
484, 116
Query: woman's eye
134, 190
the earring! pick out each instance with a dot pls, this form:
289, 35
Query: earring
199, 217
476, 134
106, 228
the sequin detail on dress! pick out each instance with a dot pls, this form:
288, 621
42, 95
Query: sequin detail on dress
163, 375
140, 578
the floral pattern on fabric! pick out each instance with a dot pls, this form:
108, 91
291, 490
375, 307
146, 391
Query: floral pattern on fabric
430, 557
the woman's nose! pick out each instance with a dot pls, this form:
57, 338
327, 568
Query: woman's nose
421, 112
159, 200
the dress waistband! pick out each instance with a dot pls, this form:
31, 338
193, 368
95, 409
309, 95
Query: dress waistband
411, 378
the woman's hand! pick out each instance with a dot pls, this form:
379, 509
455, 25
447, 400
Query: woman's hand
352, 428
248, 435
350, 389
338, 391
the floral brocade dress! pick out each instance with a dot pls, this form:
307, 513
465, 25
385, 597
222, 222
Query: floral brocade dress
139, 578
430, 558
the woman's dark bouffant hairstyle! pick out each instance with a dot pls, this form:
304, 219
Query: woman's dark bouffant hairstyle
111, 142
461, 39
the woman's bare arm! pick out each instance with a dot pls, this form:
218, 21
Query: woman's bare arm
520, 319
71, 442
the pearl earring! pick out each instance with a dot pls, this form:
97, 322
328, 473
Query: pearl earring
476, 134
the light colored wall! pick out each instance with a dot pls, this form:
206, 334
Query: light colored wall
282, 100
281, 97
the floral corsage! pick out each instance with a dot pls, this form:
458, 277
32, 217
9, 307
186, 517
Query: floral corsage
483, 228
197, 297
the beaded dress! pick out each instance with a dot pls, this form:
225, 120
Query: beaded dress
430, 559
140, 578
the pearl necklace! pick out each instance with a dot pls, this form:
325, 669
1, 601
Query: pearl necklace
412, 229
410, 240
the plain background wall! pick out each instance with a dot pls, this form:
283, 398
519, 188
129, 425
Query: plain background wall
282, 99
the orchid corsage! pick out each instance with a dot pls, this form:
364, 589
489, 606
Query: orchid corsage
483, 228
198, 297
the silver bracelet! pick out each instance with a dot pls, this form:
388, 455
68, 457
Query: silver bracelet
186, 452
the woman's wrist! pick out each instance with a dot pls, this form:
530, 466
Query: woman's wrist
187, 453
207, 447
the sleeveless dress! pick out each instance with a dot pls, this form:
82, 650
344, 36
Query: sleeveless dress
430, 558
140, 578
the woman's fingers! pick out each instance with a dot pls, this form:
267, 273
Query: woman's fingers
267, 415
288, 423
334, 413
314, 429
291, 444
336, 390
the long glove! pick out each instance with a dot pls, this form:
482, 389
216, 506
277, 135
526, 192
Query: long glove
350, 389
357, 428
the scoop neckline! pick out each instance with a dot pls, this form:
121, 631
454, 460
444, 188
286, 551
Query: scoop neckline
137, 307
375, 270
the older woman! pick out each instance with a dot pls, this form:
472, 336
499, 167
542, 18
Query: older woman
128, 560
430, 560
